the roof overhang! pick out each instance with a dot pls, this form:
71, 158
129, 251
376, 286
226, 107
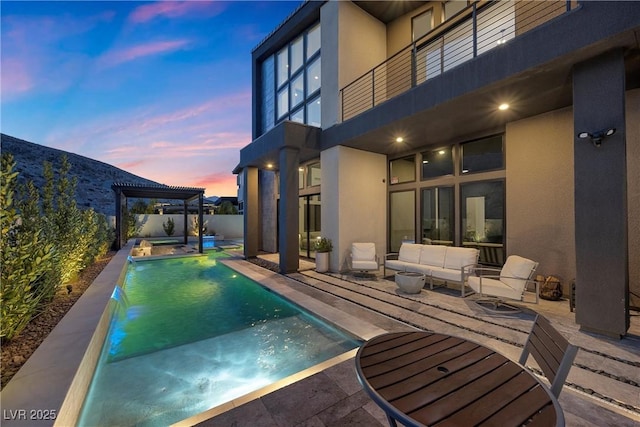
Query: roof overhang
265, 150
158, 191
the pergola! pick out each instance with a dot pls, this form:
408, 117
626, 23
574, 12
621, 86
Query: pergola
186, 194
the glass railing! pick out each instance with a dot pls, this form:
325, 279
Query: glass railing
479, 28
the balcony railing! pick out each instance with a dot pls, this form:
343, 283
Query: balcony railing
480, 27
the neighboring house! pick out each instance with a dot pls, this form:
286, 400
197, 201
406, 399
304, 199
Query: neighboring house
380, 122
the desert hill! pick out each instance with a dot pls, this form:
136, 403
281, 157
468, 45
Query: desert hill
94, 177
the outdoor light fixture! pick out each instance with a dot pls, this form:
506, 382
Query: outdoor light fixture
269, 166
597, 137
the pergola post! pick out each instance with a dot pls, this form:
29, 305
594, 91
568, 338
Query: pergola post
185, 228
200, 222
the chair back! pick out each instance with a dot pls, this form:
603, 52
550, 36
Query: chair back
363, 251
517, 271
553, 353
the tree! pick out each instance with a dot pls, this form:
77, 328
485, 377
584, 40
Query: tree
227, 208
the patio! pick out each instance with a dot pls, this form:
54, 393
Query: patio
603, 387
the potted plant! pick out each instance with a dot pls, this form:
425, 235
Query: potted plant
322, 246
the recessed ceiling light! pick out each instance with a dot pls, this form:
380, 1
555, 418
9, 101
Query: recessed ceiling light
399, 139
441, 152
503, 107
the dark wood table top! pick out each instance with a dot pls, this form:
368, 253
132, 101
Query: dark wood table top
424, 378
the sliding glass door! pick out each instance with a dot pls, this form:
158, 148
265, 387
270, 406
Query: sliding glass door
309, 224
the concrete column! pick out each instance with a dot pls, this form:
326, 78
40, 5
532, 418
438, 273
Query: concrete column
602, 282
289, 158
250, 198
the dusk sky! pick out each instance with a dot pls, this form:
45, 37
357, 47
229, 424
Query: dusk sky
159, 89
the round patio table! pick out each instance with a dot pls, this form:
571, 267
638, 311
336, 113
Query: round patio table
424, 378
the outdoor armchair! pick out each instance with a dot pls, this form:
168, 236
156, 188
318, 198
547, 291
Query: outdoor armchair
363, 258
552, 351
508, 283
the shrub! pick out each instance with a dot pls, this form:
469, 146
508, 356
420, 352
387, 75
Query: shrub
45, 242
169, 226
25, 259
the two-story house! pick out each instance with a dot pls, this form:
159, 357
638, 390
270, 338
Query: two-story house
511, 126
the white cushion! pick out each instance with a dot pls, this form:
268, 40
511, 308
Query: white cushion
516, 271
433, 255
363, 251
410, 252
494, 288
364, 265
456, 258
446, 274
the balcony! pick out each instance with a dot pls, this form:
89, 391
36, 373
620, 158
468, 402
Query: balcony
479, 28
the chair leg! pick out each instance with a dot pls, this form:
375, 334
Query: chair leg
392, 422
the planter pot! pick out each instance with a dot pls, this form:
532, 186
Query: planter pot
322, 262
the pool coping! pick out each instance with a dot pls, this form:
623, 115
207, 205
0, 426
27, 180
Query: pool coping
39, 392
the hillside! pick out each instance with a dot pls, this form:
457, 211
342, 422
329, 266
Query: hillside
94, 177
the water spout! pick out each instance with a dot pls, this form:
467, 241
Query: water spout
120, 297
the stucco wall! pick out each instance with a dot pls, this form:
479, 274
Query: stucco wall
633, 192
231, 226
353, 201
361, 42
539, 195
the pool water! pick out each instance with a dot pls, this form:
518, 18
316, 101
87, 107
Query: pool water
189, 334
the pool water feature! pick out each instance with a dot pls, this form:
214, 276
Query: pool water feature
193, 335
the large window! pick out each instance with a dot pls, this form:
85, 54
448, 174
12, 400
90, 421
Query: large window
482, 155
421, 24
402, 170
437, 216
402, 215
291, 83
482, 211
461, 200
453, 7
437, 163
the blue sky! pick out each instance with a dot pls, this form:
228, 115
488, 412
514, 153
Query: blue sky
160, 89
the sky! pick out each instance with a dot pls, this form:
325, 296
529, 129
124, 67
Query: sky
159, 89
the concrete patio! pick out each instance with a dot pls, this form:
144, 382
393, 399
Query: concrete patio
603, 387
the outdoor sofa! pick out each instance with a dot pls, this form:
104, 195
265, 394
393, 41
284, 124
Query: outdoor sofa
443, 263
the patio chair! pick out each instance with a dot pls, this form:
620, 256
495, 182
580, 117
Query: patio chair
551, 351
496, 286
363, 259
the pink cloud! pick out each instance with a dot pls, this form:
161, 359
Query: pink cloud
119, 56
174, 9
131, 165
16, 78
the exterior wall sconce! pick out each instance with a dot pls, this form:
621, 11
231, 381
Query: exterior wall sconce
597, 137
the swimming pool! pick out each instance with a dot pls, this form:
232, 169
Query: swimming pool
194, 334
